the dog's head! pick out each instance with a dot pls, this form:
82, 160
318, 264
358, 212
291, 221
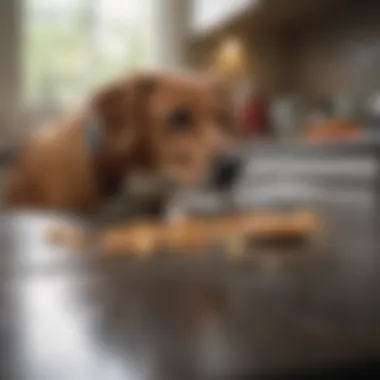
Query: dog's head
181, 128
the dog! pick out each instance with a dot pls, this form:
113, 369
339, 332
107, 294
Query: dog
179, 128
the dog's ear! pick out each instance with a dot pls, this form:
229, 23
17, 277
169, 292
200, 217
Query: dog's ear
142, 88
110, 106
116, 105
115, 127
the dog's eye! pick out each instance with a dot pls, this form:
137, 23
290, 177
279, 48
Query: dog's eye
180, 120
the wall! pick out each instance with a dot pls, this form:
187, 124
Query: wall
266, 53
341, 50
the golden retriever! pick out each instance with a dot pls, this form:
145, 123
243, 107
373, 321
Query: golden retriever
177, 127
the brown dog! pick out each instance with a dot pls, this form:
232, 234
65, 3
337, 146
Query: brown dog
175, 127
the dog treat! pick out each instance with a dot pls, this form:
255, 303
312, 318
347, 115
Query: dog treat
235, 247
69, 237
233, 231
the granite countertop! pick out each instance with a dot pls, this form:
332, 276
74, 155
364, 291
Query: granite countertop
268, 312
271, 311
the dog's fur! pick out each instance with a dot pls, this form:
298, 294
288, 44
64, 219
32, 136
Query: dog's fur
173, 126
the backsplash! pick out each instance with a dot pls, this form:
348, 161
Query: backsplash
341, 52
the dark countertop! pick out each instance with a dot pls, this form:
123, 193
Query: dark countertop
74, 315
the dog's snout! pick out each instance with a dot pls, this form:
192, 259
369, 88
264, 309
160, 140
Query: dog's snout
225, 172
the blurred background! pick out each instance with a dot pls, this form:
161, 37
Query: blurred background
300, 70
292, 63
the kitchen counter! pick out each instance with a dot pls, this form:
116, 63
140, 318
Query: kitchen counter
285, 311
272, 312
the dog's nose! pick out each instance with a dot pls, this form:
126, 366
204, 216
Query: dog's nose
225, 172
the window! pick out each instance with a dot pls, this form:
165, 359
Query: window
209, 13
73, 45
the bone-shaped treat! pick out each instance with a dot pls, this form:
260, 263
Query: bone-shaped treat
144, 238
